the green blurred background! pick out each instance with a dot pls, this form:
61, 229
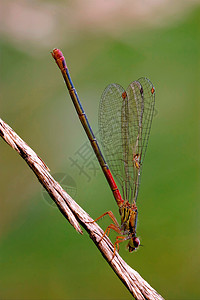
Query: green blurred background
41, 255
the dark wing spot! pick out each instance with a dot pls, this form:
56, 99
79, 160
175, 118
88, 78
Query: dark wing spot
124, 95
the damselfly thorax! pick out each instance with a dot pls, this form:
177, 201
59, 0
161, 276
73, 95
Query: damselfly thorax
129, 215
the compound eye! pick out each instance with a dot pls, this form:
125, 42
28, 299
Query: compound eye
136, 242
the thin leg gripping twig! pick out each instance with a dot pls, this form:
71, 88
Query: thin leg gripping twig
136, 285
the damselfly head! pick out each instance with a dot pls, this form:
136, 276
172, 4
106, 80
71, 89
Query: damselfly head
133, 244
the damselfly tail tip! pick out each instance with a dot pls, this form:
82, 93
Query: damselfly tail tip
56, 53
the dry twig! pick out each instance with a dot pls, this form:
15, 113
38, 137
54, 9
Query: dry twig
137, 286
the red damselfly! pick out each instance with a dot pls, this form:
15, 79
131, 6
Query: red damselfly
125, 119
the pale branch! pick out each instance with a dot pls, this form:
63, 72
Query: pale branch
137, 286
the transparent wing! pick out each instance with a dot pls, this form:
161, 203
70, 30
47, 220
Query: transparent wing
110, 129
141, 102
124, 122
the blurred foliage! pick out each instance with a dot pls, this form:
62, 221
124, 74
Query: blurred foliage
41, 256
